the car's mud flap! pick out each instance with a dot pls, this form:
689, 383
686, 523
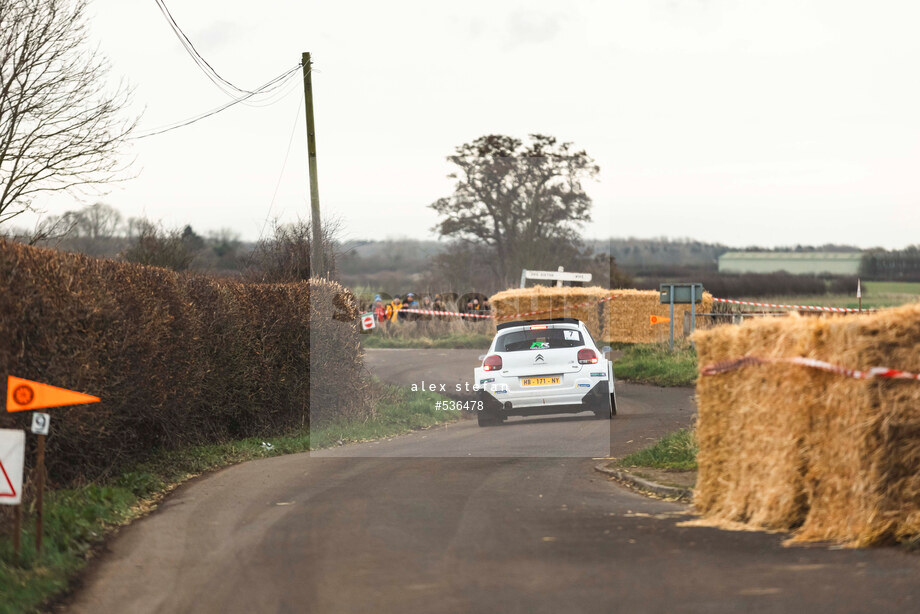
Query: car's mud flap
599, 396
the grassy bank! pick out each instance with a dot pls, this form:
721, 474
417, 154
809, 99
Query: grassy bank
655, 364
78, 519
675, 451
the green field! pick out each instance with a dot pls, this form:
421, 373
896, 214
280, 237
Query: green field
876, 295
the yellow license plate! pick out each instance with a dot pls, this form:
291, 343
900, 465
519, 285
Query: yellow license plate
540, 381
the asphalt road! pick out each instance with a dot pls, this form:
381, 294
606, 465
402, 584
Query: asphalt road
452, 368
416, 530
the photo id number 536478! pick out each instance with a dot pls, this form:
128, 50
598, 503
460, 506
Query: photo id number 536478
451, 405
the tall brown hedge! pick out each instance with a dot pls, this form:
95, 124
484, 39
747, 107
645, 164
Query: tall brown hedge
176, 359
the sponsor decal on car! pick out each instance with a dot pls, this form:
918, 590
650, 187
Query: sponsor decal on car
539, 345
500, 391
584, 385
487, 380
598, 375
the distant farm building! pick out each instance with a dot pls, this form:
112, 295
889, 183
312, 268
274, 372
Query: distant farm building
797, 263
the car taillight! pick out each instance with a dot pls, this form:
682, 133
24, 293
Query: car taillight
586, 357
492, 363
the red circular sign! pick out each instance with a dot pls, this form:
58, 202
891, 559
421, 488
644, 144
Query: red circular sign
23, 394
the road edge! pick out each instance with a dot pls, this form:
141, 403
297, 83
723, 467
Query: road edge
646, 486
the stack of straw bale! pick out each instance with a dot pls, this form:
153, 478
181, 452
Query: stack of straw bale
628, 316
624, 319
793, 448
561, 301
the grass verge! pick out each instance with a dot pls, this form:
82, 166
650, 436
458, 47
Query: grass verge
77, 519
674, 451
473, 341
876, 295
654, 364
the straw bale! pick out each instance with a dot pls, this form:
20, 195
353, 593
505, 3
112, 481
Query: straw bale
793, 448
628, 316
624, 319
561, 301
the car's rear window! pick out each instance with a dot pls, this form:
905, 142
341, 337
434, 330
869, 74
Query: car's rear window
549, 339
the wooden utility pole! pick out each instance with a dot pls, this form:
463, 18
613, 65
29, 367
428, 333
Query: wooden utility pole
39, 494
317, 267
17, 530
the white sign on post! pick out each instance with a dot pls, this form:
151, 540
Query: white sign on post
12, 459
557, 276
40, 423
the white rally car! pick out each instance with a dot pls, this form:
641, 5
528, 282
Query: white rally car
544, 367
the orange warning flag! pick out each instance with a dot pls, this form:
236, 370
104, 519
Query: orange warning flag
658, 319
23, 395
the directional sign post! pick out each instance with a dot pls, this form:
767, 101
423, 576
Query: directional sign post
559, 276
682, 293
26, 395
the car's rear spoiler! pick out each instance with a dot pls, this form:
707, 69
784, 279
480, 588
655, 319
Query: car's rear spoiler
543, 321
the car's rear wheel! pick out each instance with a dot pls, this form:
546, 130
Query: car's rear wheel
489, 414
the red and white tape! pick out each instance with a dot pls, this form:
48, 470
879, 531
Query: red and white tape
432, 312
508, 317
808, 307
873, 373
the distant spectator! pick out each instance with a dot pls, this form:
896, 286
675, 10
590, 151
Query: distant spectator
411, 303
440, 305
380, 311
425, 304
393, 309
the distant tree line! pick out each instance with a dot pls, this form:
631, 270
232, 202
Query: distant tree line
891, 265
101, 231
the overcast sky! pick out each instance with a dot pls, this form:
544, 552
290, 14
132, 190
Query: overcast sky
745, 122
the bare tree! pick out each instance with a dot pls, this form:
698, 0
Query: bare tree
285, 257
60, 125
522, 202
153, 246
98, 221
49, 230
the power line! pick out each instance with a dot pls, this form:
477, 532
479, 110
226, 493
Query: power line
268, 87
287, 153
202, 63
230, 89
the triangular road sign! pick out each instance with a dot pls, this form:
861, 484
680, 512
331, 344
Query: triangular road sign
6, 486
12, 459
24, 395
